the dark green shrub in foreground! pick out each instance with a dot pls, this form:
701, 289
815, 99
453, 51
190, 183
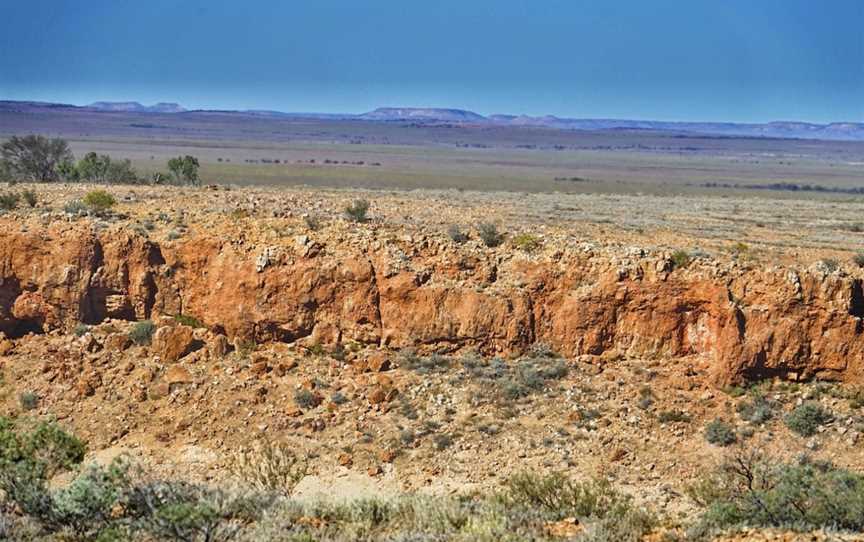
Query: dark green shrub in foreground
805, 419
720, 433
749, 490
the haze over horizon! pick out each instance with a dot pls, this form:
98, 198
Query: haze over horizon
670, 60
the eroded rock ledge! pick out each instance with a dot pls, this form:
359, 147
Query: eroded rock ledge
736, 321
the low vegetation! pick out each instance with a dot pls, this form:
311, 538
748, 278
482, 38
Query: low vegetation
489, 234
142, 332
36, 158
358, 210
720, 433
99, 201
751, 490
806, 418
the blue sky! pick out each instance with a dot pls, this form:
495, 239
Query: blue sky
737, 60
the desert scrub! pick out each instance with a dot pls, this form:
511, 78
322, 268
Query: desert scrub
757, 411
142, 332
81, 330
29, 197
720, 433
456, 234
28, 400
187, 320
306, 399
680, 259
9, 201
750, 490
607, 513
99, 201
526, 242
424, 364
858, 259
75, 208
673, 416
269, 466
357, 211
806, 418
489, 234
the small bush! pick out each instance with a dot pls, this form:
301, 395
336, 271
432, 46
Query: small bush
858, 259
806, 419
306, 399
670, 416
830, 265
187, 320
680, 259
76, 208
756, 411
9, 201
357, 211
456, 235
720, 433
424, 364
99, 201
81, 330
142, 333
748, 490
28, 400
313, 222
526, 242
29, 197
269, 466
489, 234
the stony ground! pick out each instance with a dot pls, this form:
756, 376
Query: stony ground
382, 422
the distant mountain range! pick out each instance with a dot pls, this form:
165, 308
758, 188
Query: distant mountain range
135, 107
846, 131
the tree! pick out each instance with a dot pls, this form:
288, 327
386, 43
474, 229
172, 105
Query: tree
99, 168
34, 157
94, 167
184, 169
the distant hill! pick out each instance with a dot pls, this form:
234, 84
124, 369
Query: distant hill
423, 114
135, 107
837, 131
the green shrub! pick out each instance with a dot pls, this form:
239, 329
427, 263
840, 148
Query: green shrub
456, 234
187, 320
306, 399
99, 201
720, 433
81, 330
858, 259
669, 416
806, 419
526, 242
756, 411
680, 259
748, 490
76, 208
142, 332
269, 466
357, 210
9, 201
28, 400
489, 234
30, 197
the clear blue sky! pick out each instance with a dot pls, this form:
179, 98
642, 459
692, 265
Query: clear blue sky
740, 60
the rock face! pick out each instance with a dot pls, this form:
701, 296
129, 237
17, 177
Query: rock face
736, 322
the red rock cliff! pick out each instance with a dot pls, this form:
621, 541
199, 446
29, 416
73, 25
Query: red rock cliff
738, 322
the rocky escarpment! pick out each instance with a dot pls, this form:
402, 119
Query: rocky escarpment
735, 321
